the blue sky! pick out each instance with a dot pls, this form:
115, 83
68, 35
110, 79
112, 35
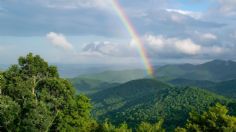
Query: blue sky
90, 32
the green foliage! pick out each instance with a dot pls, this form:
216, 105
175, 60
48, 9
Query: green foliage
108, 127
34, 98
35, 66
147, 127
225, 88
9, 112
215, 119
150, 100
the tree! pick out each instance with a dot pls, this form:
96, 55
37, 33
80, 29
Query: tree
1, 82
215, 119
9, 111
108, 127
147, 127
41, 100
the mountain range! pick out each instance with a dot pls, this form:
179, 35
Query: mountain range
206, 74
216, 70
130, 96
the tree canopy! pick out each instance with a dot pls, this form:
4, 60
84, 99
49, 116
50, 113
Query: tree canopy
34, 98
216, 119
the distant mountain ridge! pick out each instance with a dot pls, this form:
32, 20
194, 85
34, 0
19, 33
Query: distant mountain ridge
225, 88
216, 70
118, 76
90, 86
210, 72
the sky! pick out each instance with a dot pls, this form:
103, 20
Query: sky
91, 32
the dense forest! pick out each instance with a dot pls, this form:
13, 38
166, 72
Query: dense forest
33, 97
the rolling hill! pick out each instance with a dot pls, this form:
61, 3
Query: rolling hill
90, 86
196, 83
116, 76
202, 75
225, 88
216, 70
151, 100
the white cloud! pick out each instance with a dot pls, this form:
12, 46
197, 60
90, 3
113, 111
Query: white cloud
208, 36
172, 45
192, 14
59, 40
157, 42
187, 46
167, 46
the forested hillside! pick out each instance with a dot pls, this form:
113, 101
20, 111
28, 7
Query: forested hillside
90, 86
225, 88
151, 101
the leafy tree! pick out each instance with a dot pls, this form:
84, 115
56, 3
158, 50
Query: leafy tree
108, 127
9, 111
147, 127
40, 100
215, 119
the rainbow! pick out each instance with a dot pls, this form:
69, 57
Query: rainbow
134, 34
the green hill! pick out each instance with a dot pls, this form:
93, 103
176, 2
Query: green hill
151, 100
116, 76
217, 70
225, 88
196, 83
90, 86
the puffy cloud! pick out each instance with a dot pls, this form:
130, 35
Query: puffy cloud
187, 46
155, 42
59, 40
172, 47
192, 14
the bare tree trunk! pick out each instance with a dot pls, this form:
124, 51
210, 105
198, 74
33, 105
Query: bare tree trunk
33, 88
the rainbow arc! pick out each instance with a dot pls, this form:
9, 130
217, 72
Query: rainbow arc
134, 34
